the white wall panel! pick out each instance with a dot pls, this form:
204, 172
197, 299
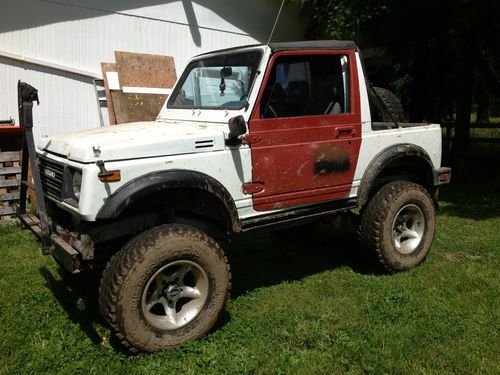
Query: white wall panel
81, 35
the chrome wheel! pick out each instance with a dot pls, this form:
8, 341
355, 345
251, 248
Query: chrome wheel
408, 228
175, 295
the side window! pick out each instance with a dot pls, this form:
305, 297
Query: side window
309, 85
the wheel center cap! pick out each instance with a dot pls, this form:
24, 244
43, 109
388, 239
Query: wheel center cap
173, 292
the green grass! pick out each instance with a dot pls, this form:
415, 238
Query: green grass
300, 307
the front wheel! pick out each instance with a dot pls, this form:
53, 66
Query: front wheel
167, 286
398, 225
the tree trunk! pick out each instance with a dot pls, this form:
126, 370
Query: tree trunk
483, 105
465, 81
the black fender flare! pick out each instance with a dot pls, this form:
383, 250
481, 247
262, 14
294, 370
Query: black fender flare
164, 180
383, 159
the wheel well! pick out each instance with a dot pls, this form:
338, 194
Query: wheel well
407, 168
193, 206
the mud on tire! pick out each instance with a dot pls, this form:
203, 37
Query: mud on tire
166, 286
398, 224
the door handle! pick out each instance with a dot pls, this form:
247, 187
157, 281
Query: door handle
344, 132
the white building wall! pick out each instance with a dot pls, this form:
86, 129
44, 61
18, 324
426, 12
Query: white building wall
80, 35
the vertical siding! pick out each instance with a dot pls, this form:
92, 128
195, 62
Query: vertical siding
83, 38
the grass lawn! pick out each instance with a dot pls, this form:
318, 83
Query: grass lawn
297, 307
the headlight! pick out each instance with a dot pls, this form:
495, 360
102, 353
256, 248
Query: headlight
77, 184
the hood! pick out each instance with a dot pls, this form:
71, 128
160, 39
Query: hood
137, 140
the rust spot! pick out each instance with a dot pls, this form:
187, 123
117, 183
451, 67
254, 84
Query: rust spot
278, 205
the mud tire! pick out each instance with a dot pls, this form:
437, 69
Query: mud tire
127, 273
378, 219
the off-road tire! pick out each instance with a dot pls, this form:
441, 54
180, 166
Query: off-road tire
392, 103
378, 220
127, 273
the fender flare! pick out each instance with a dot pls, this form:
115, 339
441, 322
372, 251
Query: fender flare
383, 159
164, 180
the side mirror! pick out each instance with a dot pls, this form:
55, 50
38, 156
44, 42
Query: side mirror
237, 127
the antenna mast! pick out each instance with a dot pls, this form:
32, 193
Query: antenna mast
275, 22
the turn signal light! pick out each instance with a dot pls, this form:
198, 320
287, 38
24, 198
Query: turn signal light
112, 176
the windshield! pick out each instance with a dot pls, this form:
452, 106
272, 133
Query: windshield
219, 82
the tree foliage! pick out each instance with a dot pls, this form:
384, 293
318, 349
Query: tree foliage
341, 18
444, 56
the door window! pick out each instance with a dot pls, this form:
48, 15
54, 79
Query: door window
306, 85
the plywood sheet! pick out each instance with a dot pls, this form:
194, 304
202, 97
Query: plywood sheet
145, 70
136, 107
137, 71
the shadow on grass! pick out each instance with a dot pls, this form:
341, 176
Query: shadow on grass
260, 260
474, 191
77, 294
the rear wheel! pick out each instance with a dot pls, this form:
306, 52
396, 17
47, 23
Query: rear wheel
167, 286
398, 225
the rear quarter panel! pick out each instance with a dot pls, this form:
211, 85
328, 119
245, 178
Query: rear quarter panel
428, 137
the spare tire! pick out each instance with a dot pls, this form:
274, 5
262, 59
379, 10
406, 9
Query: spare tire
393, 108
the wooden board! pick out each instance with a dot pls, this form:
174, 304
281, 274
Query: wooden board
136, 107
9, 184
144, 70
109, 67
8, 210
9, 197
9, 156
137, 70
10, 170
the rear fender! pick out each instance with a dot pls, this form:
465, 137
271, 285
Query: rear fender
388, 156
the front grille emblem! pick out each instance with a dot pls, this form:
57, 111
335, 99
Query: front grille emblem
49, 173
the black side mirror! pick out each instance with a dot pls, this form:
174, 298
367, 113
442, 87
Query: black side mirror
237, 127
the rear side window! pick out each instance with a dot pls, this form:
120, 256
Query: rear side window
307, 85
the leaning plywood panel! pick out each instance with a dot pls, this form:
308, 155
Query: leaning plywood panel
145, 70
137, 85
131, 107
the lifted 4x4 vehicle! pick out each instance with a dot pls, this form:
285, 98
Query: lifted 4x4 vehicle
251, 138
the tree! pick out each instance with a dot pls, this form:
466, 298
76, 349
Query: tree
438, 49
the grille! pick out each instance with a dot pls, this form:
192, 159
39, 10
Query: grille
51, 174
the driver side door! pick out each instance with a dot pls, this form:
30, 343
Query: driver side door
305, 130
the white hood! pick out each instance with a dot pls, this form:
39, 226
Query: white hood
137, 140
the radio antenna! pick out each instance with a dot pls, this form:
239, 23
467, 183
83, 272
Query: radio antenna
275, 22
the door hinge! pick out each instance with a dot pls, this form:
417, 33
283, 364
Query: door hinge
250, 139
253, 187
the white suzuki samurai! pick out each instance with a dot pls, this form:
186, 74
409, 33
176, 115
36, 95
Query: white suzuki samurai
262, 136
